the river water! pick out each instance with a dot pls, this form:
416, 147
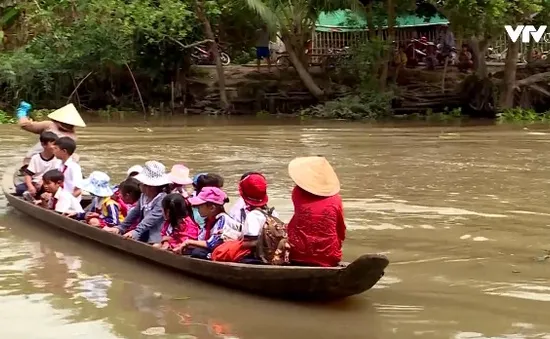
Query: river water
462, 213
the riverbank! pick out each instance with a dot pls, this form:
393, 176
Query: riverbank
418, 94
275, 93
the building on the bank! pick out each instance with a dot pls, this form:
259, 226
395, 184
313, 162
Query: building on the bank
341, 28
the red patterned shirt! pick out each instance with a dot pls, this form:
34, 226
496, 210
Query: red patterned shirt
317, 229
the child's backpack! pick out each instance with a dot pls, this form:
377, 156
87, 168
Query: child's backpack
272, 246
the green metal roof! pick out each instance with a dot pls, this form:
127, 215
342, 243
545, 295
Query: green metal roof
347, 21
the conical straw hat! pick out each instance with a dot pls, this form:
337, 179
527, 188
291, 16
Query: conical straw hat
68, 115
314, 175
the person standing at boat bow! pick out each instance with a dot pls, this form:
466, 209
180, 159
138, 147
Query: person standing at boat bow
148, 210
62, 122
317, 229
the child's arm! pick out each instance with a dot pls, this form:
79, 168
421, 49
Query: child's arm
77, 192
152, 220
30, 185
131, 218
77, 178
29, 173
196, 243
113, 212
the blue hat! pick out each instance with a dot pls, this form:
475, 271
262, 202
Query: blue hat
97, 184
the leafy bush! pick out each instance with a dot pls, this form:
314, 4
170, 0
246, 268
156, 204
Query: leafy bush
367, 106
6, 118
522, 115
366, 101
244, 57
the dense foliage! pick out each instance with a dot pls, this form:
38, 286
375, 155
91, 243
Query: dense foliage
50, 45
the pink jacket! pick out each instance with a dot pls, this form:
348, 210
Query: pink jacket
188, 229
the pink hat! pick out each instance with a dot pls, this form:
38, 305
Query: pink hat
209, 194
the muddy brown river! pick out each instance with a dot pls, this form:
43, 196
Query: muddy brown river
462, 213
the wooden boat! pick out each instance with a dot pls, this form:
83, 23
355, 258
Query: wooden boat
276, 281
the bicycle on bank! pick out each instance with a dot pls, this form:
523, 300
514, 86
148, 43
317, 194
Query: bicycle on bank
327, 61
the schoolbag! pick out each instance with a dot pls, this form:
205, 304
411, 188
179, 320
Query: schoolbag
272, 246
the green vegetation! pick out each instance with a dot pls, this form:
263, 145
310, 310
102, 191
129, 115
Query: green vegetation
521, 115
103, 46
6, 118
366, 100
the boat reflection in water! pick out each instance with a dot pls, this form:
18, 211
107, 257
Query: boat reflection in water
90, 295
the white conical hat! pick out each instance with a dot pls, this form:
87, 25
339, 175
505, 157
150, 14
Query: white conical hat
314, 175
68, 115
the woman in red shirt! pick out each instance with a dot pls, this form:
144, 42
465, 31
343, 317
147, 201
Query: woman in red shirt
317, 229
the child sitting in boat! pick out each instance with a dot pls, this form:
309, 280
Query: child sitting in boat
132, 172
252, 186
253, 191
148, 210
179, 175
200, 181
56, 197
128, 196
39, 164
238, 209
219, 226
103, 211
63, 150
178, 226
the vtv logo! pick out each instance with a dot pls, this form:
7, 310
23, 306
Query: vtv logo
525, 31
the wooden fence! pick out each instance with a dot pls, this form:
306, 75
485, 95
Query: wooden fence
323, 41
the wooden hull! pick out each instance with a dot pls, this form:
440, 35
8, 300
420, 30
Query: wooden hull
276, 281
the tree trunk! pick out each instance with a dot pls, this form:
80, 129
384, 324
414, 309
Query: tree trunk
224, 102
509, 79
370, 22
479, 47
302, 71
389, 43
459, 37
530, 47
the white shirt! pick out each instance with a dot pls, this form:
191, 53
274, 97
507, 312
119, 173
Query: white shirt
239, 211
39, 165
235, 211
66, 202
254, 222
73, 175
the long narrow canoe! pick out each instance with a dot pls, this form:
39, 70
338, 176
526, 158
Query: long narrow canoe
275, 281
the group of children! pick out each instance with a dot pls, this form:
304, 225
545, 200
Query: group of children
171, 211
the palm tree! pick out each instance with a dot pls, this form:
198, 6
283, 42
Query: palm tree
295, 21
